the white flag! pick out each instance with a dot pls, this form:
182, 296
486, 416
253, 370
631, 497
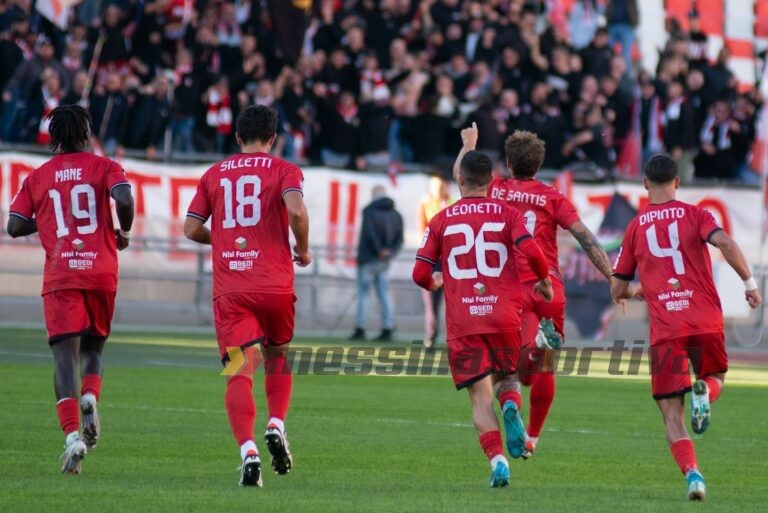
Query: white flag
57, 11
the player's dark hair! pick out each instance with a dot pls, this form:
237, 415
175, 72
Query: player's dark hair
70, 128
257, 123
660, 169
476, 168
525, 154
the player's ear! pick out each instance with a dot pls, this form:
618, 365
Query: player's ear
677, 182
238, 140
645, 183
273, 139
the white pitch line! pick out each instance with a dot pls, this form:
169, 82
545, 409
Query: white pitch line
22, 353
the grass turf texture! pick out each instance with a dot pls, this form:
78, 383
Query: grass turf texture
360, 443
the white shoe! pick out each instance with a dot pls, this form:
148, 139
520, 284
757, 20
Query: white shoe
250, 471
91, 427
73, 456
277, 444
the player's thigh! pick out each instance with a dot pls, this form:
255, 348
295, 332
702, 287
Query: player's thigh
468, 360
669, 368
276, 314
553, 310
100, 305
66, 315
708, 354
236, 324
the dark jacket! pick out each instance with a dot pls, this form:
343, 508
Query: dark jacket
622, 11
382, 228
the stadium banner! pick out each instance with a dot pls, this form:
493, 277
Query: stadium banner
335, 200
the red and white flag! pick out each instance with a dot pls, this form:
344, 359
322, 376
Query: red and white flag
57, 11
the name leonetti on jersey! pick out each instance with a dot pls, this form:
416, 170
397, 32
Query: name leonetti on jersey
67, 175
661, 215
245, 162
461, 209
519, 197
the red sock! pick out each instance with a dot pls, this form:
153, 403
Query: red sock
684, 454
532, 360
542, 395
510, 395
241, 408
91, 384
278, 385
491, 444
69, 414
715, 387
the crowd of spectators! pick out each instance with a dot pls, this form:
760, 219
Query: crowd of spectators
379, 83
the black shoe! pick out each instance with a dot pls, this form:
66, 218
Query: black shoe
358, 334
385, 336
429, 344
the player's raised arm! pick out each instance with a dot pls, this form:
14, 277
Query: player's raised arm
592, 248
298, 219
735, 258
124, 207
468, 143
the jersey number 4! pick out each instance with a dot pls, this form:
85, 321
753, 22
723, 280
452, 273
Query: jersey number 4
245, 198
77, 192
481, 248
673, 251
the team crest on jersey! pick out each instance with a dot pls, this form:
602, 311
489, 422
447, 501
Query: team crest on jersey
479, 289
673, 283
78, 244
424, 239
241, 242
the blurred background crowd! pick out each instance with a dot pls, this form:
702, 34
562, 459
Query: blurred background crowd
381, 83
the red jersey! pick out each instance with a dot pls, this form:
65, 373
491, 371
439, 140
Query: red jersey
544, 208
243, 196
69, 197
473, 240
667, 243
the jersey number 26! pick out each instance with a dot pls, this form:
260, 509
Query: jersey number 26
481, 248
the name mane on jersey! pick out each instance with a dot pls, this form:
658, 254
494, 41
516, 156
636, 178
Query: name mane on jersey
661, 215
519, 196
251, 162
463, 209
67, 175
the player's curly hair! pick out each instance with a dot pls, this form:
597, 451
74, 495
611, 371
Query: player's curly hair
257, 123
70, 128
525, 154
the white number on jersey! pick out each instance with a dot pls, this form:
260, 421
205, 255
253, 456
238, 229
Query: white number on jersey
481, 249
89, 212
672, 252
530, 221
243, 200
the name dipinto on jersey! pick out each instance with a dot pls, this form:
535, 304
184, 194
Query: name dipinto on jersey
661, 215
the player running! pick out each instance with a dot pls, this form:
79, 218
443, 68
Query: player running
544, 208
473, 240
252, 198
67, 202
667, 243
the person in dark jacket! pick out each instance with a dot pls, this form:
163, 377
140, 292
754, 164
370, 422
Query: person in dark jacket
680, 130
381, 237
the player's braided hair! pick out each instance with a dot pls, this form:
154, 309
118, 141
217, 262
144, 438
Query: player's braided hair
70, 128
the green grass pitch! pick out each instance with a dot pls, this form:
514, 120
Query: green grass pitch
361, 443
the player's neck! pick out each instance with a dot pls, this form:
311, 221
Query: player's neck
660, 196
475, 193
255, 148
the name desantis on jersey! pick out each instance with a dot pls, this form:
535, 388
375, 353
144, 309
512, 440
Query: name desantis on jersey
251, 251
69, 196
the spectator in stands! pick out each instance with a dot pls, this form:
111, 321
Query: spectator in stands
109, 108
150, 117
716, 157
381, 237
43, 99
78, 93
186, 98
680, 129
622, 16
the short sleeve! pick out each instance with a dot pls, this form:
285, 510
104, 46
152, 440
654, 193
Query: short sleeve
116, 176
707, 224
292, 180
429, 249
516, 226
22, 205
625, 266
201, 204
565, 213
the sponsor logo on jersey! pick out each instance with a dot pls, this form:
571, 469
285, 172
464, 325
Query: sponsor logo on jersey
241, 242
480, 310
240, 265
78, 244
80, 264
678, 306
479, 289
673, 283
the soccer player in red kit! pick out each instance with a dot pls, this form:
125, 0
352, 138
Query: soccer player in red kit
474, 240
667, 243
67, 202
544, 209
252, 199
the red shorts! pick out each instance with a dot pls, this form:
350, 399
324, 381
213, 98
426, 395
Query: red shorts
75, 312
534, 308
670, 376
244, 319
474, 357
